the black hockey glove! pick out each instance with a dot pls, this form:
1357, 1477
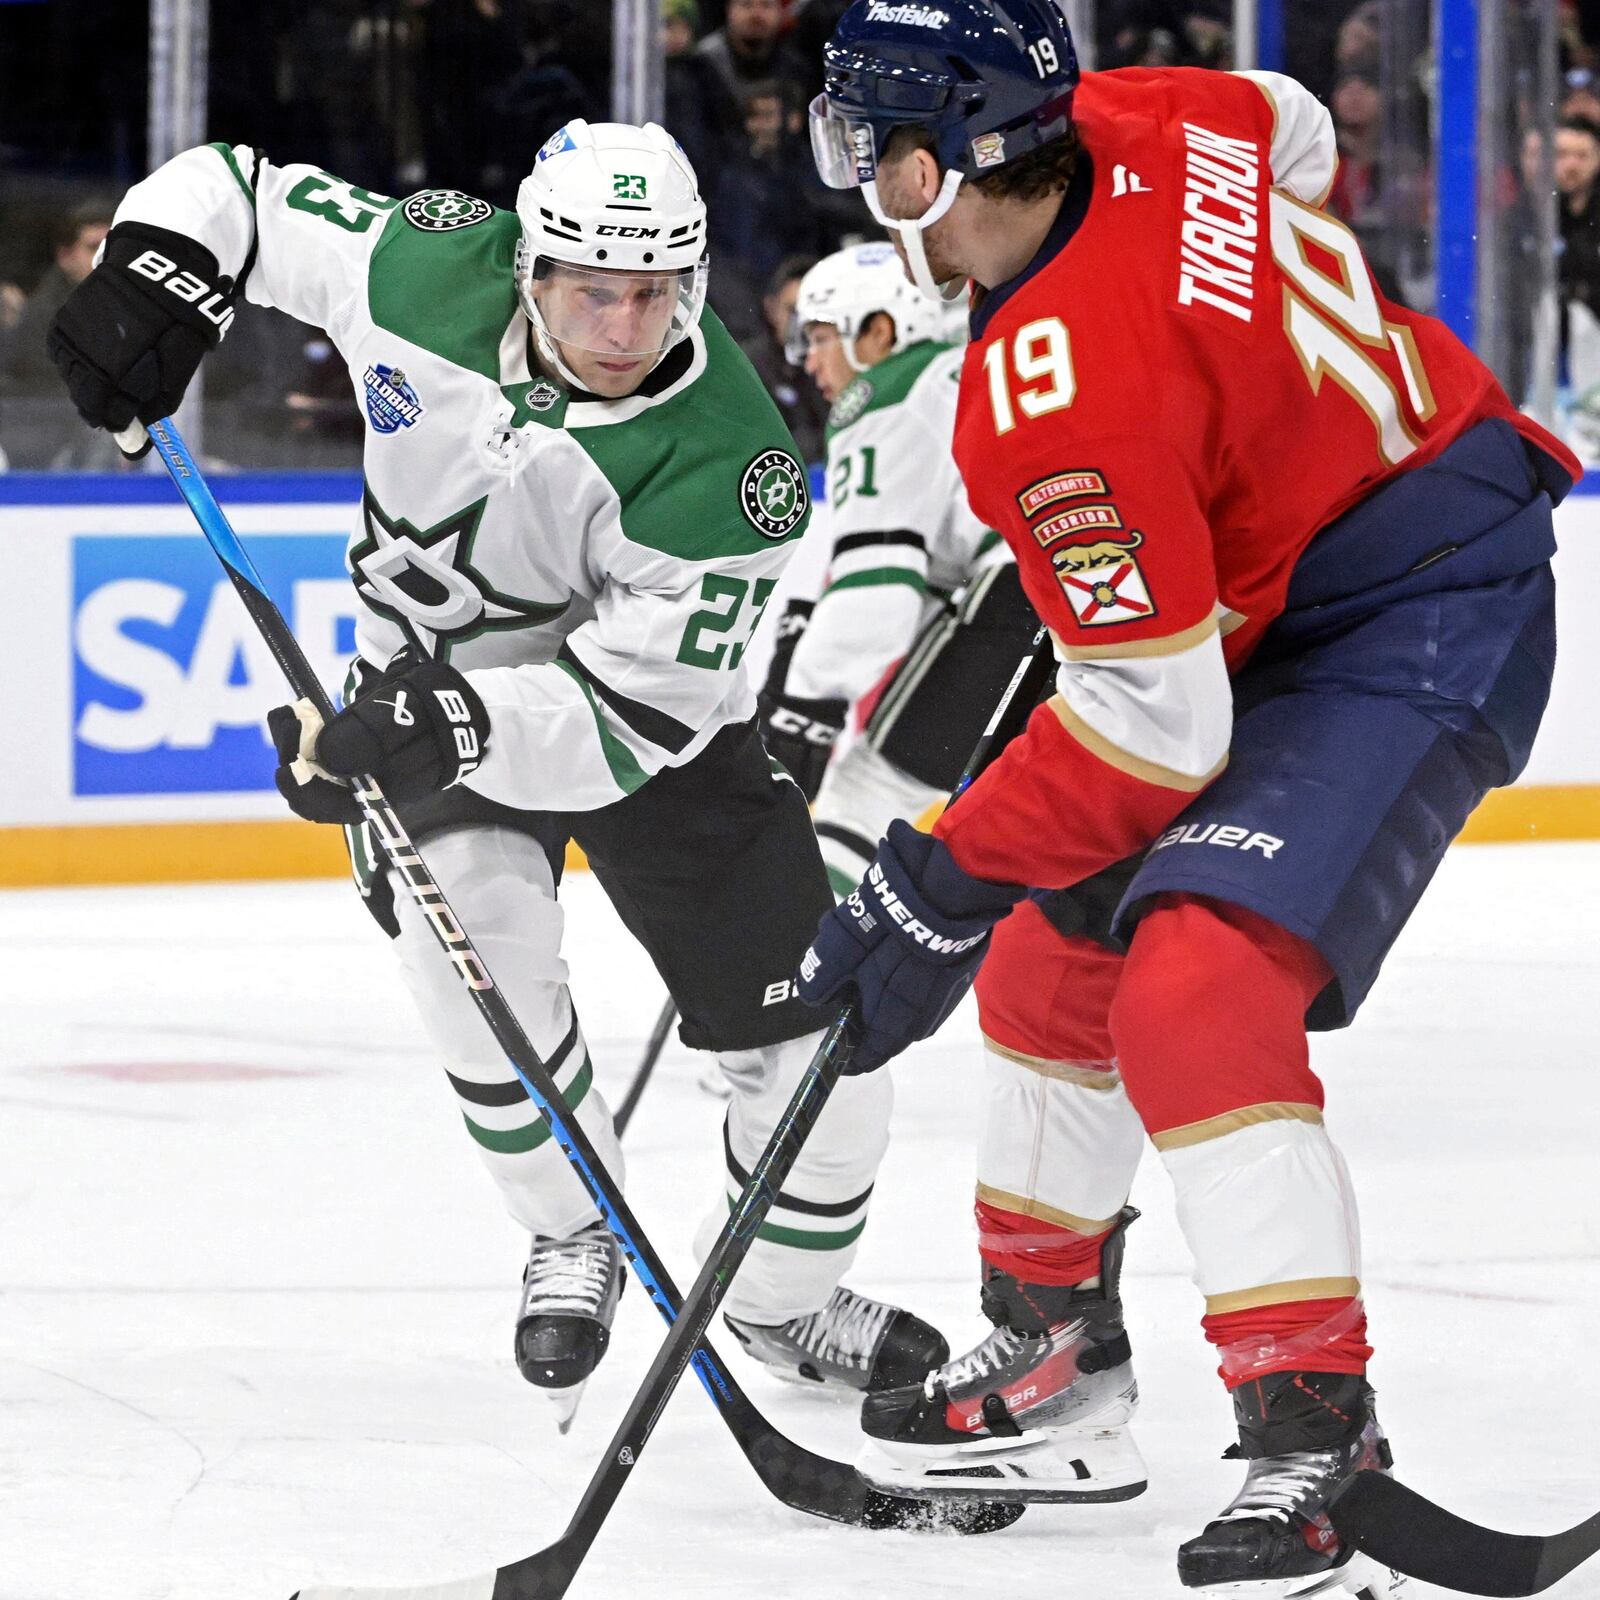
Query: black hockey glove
799, 733
130, 336
417, 729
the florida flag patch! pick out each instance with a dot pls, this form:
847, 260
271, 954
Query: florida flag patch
1103, 582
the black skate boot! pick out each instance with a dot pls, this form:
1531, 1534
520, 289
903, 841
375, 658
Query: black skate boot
570, 1289
1304, 1435
1038, 1411
851, 1344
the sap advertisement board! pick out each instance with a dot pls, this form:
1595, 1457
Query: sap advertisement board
133, 687
137, 686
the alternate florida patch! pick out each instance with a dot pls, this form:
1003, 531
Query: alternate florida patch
392, 403
1080, 519
440, 210
773, 494
1059, 486
1103, 582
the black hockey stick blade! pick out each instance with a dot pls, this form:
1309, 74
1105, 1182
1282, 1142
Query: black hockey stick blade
1398, 1528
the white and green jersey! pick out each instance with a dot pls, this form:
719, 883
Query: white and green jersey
903, 533
595, 566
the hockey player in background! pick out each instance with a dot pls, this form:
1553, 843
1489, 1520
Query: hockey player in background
921, 620
1293, 543
577, 500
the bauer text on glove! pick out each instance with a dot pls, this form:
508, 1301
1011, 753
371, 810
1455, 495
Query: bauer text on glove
128, 339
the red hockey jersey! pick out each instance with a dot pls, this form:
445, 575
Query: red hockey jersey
1194, 376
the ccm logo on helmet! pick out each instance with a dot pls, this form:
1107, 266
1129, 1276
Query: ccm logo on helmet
614, 230
211, 303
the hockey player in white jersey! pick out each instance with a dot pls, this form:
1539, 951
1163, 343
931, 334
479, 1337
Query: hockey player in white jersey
921, 620
577, 501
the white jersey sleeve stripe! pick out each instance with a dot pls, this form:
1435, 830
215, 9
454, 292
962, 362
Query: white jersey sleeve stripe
1166, 719
1305, 152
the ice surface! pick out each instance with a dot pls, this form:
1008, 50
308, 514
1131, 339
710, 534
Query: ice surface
256, 1292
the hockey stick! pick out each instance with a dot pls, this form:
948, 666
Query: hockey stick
798, 1477
1398, 1528
652, 1054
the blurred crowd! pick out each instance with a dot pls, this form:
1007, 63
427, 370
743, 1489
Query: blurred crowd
396, 95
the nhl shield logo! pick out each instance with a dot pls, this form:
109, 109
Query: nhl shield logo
773, 494
440, 210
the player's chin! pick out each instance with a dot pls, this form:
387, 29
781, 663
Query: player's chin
617, 378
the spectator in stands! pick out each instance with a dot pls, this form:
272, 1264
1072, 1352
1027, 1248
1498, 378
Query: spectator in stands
680, 27
748, 52
1166, 33
1577, 169
78, 236
802, 406
1580, 98
1358, 45
1357, 111
701, 112
759, 210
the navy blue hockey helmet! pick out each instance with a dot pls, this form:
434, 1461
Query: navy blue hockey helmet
988, 80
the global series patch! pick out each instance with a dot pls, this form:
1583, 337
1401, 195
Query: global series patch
392, 403
1103, 582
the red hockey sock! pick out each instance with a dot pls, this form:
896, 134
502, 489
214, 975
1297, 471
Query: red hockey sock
1300, 1336
1035, 1251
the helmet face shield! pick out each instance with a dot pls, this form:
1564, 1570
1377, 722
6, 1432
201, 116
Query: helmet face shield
844, 147
617, 315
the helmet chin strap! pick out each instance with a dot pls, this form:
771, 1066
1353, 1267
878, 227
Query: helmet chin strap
910, 231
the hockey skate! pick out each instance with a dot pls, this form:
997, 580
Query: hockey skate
570, 1290
1303, 1436
851, 1344
1038, 1411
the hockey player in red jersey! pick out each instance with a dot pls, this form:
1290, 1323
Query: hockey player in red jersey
1292, 542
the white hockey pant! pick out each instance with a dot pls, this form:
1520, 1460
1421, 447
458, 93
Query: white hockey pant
808, 1240
499, 884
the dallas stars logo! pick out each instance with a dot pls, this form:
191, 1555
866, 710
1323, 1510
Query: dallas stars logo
440, 210
424, 581
773, 494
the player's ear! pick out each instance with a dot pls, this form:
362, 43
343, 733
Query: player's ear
929, 179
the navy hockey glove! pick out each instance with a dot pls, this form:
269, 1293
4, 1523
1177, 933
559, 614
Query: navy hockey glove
905, 945
128, 339
417, 729
799, 733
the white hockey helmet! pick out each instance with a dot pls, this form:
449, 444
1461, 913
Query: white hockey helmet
603, 199
844, 290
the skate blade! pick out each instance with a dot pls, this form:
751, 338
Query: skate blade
1360, 1577
564, 1403
1069, 1466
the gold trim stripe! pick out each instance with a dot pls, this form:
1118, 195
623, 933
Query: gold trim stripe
1025, 1207
1124, 760
176, 852
1279, 1294
1078, 1072
1231, 1122
1173, 645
